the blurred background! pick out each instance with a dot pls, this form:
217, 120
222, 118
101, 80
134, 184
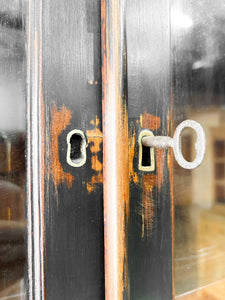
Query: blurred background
12, 147
198, 86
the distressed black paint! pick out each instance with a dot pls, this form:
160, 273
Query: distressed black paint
148, 67
68, 43
70, 79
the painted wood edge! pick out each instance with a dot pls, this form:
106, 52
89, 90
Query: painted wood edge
35, 153
115, 147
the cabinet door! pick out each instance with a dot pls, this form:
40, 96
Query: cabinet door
65, 147
107, 217
151, 189
175, 72
136, 58
166, 59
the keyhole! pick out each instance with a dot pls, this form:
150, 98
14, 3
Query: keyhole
76, 145
76, 148
146, 154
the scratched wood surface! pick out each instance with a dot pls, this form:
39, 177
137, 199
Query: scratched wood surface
149, 107
115, 148
66, 67
65, 52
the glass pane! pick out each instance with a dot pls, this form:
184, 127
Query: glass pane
12, 148
219, 148
198, 64
219, 171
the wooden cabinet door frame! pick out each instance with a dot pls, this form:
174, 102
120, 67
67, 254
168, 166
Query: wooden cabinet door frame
82, 54
65, 210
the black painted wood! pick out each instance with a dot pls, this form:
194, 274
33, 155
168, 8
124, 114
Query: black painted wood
70, 81
67, 36
150, 229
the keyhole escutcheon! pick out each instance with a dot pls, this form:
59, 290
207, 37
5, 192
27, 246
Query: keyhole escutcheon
76, 148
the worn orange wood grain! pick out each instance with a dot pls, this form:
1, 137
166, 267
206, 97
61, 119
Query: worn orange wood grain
115, 149
60, 119
133, 176
151, 181
95, 140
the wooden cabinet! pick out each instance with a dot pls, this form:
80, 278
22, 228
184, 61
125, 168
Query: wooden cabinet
100, 215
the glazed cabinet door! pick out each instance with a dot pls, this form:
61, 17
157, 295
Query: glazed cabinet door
112, 149
163, 106
66, 209
175, 75
51, 180
138, 192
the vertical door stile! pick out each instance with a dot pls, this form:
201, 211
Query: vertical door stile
115, 148
35, 151
150, 231
65, 209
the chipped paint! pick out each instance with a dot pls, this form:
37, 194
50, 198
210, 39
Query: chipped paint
149, 121
115, 148
160, 160
151, 182
95, 140
60, 119
133, 176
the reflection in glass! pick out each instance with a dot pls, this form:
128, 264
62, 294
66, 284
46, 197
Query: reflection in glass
12, 149
198, 63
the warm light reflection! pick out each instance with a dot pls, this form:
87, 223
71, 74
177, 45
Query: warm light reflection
180, 20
